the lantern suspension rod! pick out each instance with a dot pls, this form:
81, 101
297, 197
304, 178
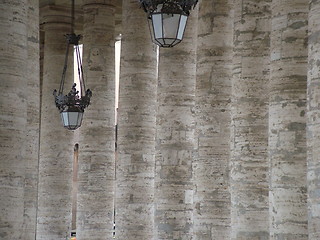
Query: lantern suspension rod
64, 70
67, 51
72, 17
80, 70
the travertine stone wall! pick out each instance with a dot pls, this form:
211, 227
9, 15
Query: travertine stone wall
56, 146
136, 124
118, 18
13, 115
97, 133
175, 143
249, 128
313, 122
287, 120
213, 97
33, 122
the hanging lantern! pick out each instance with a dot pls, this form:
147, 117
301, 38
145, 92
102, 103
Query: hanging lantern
167, 20
72, 105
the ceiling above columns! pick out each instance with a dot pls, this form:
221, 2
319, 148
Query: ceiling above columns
78, 3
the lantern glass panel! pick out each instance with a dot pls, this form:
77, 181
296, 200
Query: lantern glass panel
71, 120
169, 41
64, 118
80, 116
170, 25
160, 41
151, 29
157, 25
182, 26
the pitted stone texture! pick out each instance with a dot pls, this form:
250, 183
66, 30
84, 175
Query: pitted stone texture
56, 143
287, 120
213, 93
313, 122
136, 128
97, 133
33, 123
249, 129
175, 138
13, 115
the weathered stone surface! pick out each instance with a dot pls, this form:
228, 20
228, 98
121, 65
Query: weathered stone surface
249, 128
313, 122
97, 133
56, 146
136, 124
13, 116
33, 123
193, 197
213, 93
287, 120
175, 142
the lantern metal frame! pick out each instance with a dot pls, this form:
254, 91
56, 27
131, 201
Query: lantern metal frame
162, 9
72, 102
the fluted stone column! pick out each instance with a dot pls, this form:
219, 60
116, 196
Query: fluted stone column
97, 134
56, 146
287, 120
136, 128
13, 115
175, 137
313, 122
249, 129
213, 95
33, 122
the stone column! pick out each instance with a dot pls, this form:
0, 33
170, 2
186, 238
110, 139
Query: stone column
97, 133
313, 122
136, 128
33, 122
13, 114
213, 93
287, 120
175, 143
56, 147
118, 18
249, 128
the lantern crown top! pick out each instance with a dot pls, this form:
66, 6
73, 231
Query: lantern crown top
72, 99
73, 39
168, 6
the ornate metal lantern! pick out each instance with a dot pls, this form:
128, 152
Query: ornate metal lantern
71, 106
167, 19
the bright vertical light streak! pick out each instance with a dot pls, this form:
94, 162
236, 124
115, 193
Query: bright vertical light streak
117, 77
117, 74
75, 68
158, 53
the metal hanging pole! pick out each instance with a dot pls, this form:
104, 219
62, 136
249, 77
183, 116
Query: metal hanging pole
64, 70
80, 70
72, 17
